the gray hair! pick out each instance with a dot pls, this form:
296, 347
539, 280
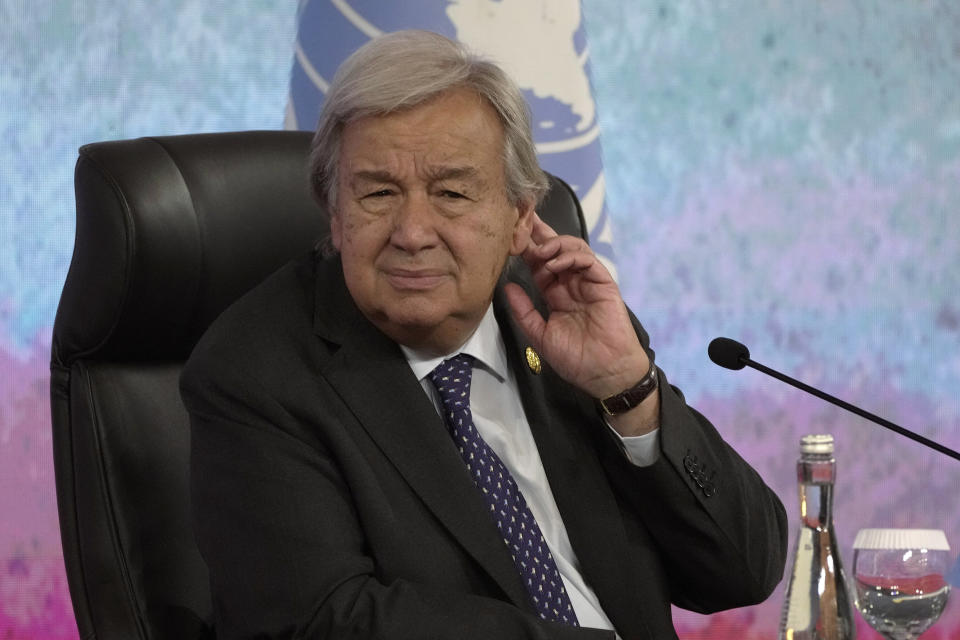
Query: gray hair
403, 69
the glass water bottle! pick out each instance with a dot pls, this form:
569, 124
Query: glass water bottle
818, 605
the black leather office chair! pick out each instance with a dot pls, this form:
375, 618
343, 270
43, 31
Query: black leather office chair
170, 231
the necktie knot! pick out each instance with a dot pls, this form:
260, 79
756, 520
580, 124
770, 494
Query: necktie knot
452, 379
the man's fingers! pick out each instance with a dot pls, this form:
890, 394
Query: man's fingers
541, 231
570, 261
553, 259
547, 273
573, 258
555, 246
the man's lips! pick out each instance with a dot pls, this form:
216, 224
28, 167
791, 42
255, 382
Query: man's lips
415, 279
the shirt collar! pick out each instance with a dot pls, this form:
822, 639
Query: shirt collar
484, 344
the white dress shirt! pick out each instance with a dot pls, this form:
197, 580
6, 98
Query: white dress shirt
499, 417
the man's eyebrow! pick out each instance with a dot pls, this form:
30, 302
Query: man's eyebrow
434, 173
371, 176
452, 173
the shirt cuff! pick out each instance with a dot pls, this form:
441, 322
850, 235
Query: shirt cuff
641, 451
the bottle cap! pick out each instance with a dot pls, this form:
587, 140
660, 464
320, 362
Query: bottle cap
932, 539
816, 444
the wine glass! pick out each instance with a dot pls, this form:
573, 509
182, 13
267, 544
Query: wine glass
899, 575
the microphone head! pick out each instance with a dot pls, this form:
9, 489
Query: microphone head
728, 353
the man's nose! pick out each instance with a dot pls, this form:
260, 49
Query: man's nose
413, 226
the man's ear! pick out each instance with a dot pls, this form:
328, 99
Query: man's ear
522, 229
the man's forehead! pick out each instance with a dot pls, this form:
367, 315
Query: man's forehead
454, 133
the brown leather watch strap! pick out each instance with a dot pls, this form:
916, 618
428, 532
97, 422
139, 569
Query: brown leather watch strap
626, 400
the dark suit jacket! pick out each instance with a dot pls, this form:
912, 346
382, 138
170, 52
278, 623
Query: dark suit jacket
330, 501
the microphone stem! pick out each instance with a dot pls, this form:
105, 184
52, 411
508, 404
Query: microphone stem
851, 408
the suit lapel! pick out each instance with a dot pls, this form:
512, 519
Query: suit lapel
561, 422
377, 385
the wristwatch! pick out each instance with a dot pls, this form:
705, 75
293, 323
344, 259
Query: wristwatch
625, 400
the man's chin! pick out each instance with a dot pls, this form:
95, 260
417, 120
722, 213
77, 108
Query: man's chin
430, 329
422, 321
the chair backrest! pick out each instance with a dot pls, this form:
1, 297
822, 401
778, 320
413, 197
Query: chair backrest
170, 231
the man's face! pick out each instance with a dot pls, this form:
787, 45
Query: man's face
423, 223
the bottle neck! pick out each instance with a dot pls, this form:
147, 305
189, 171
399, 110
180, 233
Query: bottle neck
815, 477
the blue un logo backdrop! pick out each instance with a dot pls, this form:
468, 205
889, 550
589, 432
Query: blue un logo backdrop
542, 44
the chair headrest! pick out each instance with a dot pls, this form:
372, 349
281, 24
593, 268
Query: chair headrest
171, 230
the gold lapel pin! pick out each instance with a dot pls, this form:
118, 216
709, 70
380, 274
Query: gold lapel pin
533, 361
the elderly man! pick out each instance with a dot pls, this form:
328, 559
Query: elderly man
392, 440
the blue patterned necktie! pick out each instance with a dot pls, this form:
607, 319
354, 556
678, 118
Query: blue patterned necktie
516, 523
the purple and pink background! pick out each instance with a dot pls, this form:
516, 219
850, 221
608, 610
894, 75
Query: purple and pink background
786, 174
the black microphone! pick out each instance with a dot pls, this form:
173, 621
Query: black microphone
731, 354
